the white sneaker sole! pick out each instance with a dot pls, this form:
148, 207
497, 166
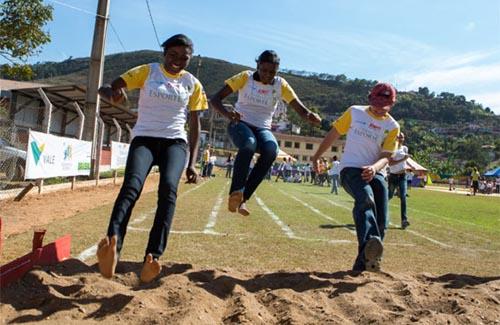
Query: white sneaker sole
373, 254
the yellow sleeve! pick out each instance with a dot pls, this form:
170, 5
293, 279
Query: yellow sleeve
287, 93
343, 123
237, 82
390, 142
135, 77
198, 100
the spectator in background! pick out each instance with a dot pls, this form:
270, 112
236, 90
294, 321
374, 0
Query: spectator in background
288, 169
409, 179
497, 183
281, 170
205, 160
451, 183
475, 180
335, 175
307, 172
397, 176
229, 165
211, 164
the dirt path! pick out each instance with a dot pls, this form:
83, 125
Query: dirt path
38, 210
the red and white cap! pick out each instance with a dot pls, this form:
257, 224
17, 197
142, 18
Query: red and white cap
382, 94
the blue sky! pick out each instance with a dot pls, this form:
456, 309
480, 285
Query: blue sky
445, 45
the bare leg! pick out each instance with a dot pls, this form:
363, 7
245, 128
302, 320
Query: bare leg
107, 256
150, 269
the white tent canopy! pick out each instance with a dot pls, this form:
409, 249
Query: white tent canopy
282, 154
415, 166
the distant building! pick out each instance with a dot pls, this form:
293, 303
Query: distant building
303, 148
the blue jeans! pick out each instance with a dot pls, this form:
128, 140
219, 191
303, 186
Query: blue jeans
249, 140
335, 183
170, 156
370, 207
399, 180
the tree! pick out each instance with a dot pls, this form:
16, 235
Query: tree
21, 34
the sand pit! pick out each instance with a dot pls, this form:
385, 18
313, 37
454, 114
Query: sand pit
183, 294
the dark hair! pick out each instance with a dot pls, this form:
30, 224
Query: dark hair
268, 56
177, 40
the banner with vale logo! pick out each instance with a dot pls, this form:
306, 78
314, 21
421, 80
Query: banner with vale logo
52, 156
119, 153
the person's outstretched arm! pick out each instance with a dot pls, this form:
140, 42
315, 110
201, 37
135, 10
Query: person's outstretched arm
304, 112
397, 161
194, 138
114, 92
216, 103
325, 144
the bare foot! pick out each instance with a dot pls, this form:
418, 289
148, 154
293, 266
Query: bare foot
107, 257
243, 210
150, 269
234, 201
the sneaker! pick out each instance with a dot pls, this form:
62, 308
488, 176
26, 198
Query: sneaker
234, 201
405, 224
373, 254
243, 210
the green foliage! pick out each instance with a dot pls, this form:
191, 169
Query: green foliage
21, 34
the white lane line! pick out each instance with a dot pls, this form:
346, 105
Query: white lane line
212, 219
450, 229
182, 232
92, 250
288, 232
313, 209
329, 241
412, 232
437, 242
443, 217
415, 233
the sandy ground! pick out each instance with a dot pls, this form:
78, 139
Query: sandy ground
185, 294
73, 291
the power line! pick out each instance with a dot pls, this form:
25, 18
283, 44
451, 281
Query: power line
116, 34
78, 9
94, 15
153, 23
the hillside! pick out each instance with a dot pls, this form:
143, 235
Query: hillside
445, 131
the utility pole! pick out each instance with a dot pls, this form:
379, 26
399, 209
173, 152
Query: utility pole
94, 81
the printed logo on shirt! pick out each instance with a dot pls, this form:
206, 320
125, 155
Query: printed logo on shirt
168, 91
374, 126
367, 134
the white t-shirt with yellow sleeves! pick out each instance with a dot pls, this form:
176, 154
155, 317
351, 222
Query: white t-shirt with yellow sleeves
367, 136
257, 101
164, 100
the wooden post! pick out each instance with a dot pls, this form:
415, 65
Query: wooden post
47, 118
81, 122
100, 139
94, 81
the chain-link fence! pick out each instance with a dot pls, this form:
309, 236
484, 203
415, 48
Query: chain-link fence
12, 156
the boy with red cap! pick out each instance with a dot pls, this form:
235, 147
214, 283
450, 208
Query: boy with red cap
371, 135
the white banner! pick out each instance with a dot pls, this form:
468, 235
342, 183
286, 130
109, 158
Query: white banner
119, 153
51, 156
